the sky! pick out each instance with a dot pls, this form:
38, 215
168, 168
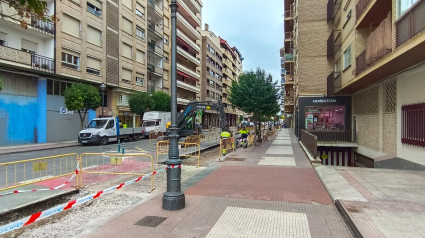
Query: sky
255, 27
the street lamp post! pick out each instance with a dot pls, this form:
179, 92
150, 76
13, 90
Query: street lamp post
173, 199
103, 87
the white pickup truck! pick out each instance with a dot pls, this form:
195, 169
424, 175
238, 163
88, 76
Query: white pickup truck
102, 130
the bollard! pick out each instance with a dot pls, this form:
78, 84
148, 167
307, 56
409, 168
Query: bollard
122, 146
119, 149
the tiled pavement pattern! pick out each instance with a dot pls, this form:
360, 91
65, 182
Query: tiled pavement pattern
283, 161
222, 203
393, 203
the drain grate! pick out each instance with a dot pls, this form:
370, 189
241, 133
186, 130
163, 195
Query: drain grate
150, 221
235, 159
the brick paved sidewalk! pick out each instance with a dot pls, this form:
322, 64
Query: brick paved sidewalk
268, 191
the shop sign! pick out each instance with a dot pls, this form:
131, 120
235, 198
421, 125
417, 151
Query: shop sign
324, 100
309, 116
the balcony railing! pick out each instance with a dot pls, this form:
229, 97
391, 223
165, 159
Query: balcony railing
186, 86
289, 35
289, 56
310, 142
360, 63
154, 6
361, 7
42, 63
188, 26
34, 61
187, 9
188, 56
188, 71
43, 25
332, 9
154, 69
333, 44
186, 39
155, 48
411, 23
152, 89
334, 135
289, 14
156, 29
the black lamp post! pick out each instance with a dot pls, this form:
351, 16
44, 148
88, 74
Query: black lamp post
103, 87
173, 199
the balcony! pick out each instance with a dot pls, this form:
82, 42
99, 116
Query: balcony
333, 44
370, 12
187, 71
27, 60
188, 56
332, 9
411, 23
182, 101
282, 52
188, 87
288, 57
282, 62
186, 39
155, 29
189, 12
282, 72
195, 5
156, 8
156, 70
333, 83
152, 89
188, 29
224, 90
155, 49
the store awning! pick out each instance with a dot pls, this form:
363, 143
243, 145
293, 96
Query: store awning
186, 75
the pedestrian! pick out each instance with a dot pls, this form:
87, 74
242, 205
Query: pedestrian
225, 136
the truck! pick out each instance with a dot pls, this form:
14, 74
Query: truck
155, 121
103, 130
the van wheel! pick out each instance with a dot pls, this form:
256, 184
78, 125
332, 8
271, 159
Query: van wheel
135, 137
104, 140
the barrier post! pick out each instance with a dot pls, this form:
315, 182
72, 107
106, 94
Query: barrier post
119, 143
122, 146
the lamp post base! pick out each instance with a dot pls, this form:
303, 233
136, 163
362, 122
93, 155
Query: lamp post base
173, 201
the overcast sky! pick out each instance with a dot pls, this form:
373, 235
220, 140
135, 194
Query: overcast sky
255, 27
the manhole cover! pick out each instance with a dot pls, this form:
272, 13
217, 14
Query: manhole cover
150, 221
235, 159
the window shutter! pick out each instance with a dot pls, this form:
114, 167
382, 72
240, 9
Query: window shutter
71, 25
128, 3
94, 35
94, 63
126, 74
126, 51
96, 3
70, 52
29, 45
127, 25
140, 56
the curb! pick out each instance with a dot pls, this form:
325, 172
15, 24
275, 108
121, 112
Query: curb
314, 162
13, 151
347, 217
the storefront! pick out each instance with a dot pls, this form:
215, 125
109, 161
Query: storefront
324, 113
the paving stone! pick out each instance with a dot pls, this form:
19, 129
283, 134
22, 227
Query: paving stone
279, 150
277, 161
281, 142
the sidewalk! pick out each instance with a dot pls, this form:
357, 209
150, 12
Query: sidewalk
378, 202
269, 190
34, 147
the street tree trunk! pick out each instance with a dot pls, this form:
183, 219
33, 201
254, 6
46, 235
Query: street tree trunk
82, 118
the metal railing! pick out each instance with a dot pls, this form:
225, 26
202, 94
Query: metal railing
186, 149
361, 7
360, 63
155, 28
45, 26
334, 135
310, 142
156, 89
154, 69
411, 23
20, 173
42, 63
155, 48
289, 35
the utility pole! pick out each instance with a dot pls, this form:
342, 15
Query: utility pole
173, 199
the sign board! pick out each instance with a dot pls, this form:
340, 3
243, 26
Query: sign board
310, 116
64, 110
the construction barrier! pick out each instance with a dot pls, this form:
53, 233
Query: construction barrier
251, 139
20, 173
115, 164
153, 137
193, 139
226, 144
188, 150
210, 137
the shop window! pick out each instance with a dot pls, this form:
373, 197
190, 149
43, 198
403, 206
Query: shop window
325, 118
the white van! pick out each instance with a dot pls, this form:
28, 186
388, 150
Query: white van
155, 122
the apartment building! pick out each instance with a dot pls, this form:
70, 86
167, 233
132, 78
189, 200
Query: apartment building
121, 44
380, 61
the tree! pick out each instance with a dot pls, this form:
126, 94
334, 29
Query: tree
82, 97
162, 102
140, 102
25, 9
256, 93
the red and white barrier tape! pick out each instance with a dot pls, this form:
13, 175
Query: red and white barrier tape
43, 189
49, 212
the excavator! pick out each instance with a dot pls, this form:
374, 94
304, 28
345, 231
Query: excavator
186, 119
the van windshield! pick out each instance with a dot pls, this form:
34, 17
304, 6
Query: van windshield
97, 124
148, 123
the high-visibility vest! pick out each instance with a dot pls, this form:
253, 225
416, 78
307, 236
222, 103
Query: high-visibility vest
225, 134
242, 132
125, 125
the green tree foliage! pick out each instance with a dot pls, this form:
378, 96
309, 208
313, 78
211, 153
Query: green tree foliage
162, 102
82, 98
25, 9
140, 102
256, 93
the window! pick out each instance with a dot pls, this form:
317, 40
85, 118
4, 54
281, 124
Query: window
208, 46
3, 37
165, 74
347, 18
28, 46
140, 33
127, 25
56, 87
166, 39
72, 25
140, 10
70, 59
140, 56
166, 21
127, 51
325, 117
347, 57
93, 66
94, 35
338, 65
403, 6
94, 7
126, 75
128, 4
140, 79
212, 51
166, 55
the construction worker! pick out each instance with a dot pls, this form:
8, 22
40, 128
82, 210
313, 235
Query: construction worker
225, 136
168, 124
244, 133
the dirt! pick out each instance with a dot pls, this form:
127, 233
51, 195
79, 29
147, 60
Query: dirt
207, 157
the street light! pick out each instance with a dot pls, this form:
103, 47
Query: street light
173, 199
103, 87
